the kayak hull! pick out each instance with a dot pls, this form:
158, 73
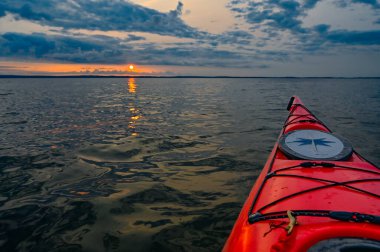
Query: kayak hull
352, 185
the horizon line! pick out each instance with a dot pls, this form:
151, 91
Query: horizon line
184, 76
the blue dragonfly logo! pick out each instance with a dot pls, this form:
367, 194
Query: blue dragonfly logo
316, 142
313, 142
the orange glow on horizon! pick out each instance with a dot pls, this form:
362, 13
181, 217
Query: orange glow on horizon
44, 68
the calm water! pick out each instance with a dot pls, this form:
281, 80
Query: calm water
151, 164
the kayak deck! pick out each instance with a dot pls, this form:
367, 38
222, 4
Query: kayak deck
314, 199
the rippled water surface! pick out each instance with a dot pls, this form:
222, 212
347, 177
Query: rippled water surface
151, 164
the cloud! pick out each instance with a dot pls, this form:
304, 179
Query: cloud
110, 71
279, 14
276, 33
309, 4
109, 50
323, 41
236, 37
2, 9
103, 15
178, 11
191, 55
10, 67
354, 37
64, 48
115, 15
13, 44
284, 18
132, 37
373, 3
322, 28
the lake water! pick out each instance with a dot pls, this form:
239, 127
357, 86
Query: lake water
151, 164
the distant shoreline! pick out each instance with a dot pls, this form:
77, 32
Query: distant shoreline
179, 77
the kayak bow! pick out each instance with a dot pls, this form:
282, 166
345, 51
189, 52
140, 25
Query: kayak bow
315, 193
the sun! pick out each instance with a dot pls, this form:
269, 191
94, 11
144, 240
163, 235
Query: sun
131, 67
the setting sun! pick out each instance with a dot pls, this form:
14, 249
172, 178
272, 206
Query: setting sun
131, 67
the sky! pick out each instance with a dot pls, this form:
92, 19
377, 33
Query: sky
315, 38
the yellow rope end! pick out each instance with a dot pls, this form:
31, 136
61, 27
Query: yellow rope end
292, 222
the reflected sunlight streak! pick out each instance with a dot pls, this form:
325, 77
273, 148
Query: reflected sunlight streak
131, 85
135, 113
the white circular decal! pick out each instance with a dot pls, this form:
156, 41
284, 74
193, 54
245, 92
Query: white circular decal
314, 144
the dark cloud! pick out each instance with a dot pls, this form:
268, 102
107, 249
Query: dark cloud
344, 3
192, 55
282, 15
178, 11
81, 50
322, 28
26, 12
132, 37
354, 37
2, 10
109, 50
322, 40
309, 4
373, 3
279, 14
104, 15
237, 37
274, 17
20, 44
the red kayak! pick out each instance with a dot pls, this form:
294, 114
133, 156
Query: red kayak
315, 193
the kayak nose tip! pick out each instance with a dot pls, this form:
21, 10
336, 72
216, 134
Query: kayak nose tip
290, 103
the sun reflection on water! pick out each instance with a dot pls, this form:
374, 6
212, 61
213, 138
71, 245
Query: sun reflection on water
131, 85
135, 113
